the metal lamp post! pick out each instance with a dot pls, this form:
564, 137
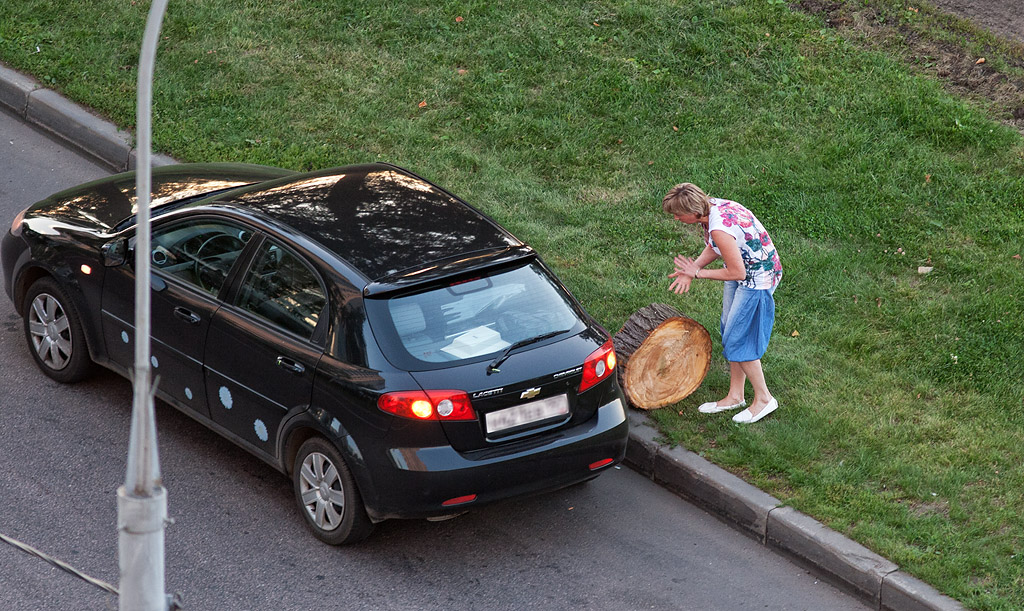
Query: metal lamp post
142, 501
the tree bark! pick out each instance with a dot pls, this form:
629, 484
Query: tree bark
663, 354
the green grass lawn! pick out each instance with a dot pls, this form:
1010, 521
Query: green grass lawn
902, 419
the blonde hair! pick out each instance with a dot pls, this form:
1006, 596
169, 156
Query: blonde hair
686, 198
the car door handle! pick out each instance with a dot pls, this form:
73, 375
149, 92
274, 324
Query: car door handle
186, 315
290, 365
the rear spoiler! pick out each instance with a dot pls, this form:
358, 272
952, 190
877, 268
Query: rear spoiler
453, 268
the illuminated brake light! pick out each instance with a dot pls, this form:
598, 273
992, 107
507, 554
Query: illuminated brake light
421, 408
86, 269
460, 500
598, 366
594, 466
429, 405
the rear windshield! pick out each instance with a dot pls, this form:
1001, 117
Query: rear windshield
473, 318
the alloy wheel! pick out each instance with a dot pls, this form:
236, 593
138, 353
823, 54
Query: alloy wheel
321, 490
50, 331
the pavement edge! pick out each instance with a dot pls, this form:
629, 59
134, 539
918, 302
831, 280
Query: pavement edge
69, 122
848, 564
743, 506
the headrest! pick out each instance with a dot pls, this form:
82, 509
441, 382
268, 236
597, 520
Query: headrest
408, 318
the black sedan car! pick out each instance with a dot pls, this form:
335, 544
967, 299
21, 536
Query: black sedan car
390, 348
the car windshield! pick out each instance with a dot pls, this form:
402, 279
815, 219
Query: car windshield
474, 318
163, 207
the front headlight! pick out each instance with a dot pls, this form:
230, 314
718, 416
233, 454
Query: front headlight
16, 223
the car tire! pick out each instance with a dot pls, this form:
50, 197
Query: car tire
54, 333
327, 494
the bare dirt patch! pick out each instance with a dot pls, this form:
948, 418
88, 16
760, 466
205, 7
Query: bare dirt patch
957, 58
939, 508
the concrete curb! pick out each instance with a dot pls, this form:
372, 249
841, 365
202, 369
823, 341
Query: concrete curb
745, 507
70, 122
846, 563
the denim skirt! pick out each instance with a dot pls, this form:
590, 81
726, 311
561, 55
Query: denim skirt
747, 319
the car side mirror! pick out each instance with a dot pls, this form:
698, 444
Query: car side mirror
115, 252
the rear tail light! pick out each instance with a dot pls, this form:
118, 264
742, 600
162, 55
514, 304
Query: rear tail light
429, 405
598, 366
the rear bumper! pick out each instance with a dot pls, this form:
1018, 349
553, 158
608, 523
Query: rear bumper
415, 482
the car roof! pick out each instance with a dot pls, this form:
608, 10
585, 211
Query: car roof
379, 218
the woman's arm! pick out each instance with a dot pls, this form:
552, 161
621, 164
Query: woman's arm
733, 270
708, 255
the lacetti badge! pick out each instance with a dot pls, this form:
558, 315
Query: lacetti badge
530, 393
568, 372
487, 393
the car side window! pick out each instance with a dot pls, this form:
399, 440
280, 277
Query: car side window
283, 290
199, 252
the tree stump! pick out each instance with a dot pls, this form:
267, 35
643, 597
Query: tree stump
663, 356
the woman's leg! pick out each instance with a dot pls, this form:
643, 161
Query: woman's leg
762, 396
737, 379
729, 288
745, 335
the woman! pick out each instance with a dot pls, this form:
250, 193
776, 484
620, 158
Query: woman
752, 272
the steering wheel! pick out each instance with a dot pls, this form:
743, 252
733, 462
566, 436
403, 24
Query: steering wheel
211, 269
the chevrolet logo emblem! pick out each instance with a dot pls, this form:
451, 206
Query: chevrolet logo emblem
530, 393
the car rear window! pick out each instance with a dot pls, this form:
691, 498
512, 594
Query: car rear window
473, 318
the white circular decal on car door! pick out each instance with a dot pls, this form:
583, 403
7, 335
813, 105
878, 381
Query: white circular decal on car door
261, 430
225, 396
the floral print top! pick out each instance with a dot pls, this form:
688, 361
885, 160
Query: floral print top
764, 269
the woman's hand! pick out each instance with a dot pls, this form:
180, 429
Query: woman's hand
681, 284
686, 266
680, 260
685, 270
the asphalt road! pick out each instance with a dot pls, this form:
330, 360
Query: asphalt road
619, 542
1002, 17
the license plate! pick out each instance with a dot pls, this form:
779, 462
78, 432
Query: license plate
526, 413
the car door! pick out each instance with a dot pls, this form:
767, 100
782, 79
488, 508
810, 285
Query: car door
190, 262
263, 348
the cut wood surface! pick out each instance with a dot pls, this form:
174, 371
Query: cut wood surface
663, 354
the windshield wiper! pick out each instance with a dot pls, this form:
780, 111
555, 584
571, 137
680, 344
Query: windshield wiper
507, 352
